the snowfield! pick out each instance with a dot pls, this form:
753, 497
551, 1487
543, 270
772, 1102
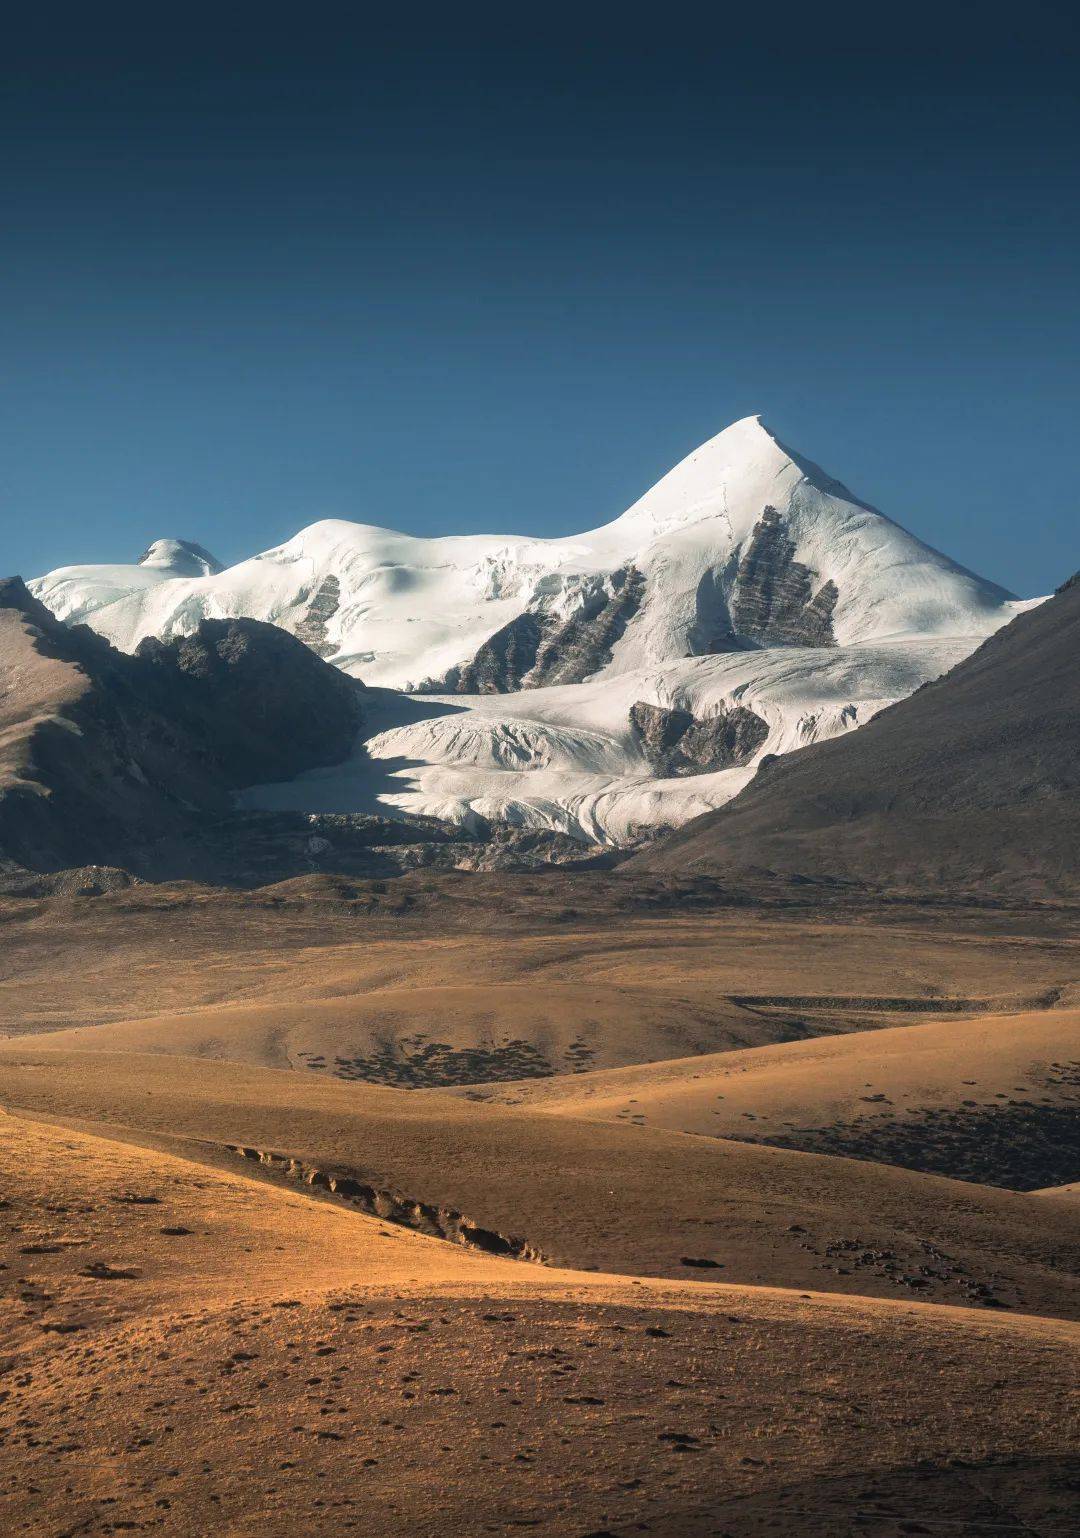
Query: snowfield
566, 758
503, 670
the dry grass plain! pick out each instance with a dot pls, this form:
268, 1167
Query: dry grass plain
192, 1352
277, 1258
434, 981
990, 1098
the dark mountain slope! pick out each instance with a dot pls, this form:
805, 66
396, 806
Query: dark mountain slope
128, 761
972, 783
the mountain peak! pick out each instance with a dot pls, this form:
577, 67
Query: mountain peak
752, 439
748, 427
746, 587
732, 475
181, 558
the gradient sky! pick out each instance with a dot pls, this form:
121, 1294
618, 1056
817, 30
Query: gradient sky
499, 270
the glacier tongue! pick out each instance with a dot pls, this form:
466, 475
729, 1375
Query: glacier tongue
569, 758
746, 580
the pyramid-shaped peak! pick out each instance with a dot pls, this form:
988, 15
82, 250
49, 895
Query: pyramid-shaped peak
751, 444
746, 440
739, 471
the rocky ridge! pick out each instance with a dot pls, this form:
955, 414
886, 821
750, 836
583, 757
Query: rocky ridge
116, 767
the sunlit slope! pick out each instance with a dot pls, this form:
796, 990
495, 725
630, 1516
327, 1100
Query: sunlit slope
583, 1194
190, 1346
520, 987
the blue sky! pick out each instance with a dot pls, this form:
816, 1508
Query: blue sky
500, 272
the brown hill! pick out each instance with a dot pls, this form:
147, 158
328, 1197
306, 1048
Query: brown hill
973, 783
115, 760
195, 1353
988, 1098
584, 1194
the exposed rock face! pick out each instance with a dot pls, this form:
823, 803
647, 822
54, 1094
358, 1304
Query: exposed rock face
584, 643
774, 602
677, 743
113, 760
540, 647
770, 599
321, 609
505, 658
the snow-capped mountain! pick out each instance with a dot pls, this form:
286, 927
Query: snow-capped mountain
603, 684
73, 593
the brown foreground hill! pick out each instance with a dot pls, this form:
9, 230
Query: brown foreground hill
247, 1292
192, 1353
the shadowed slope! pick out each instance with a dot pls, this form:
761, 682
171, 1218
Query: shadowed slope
108, 759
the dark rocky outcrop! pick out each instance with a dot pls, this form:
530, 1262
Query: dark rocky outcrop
675, 742
251, 698
773, 601
539, 648
971, 784
322, 606
390, 1206
505, 658
583, 643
